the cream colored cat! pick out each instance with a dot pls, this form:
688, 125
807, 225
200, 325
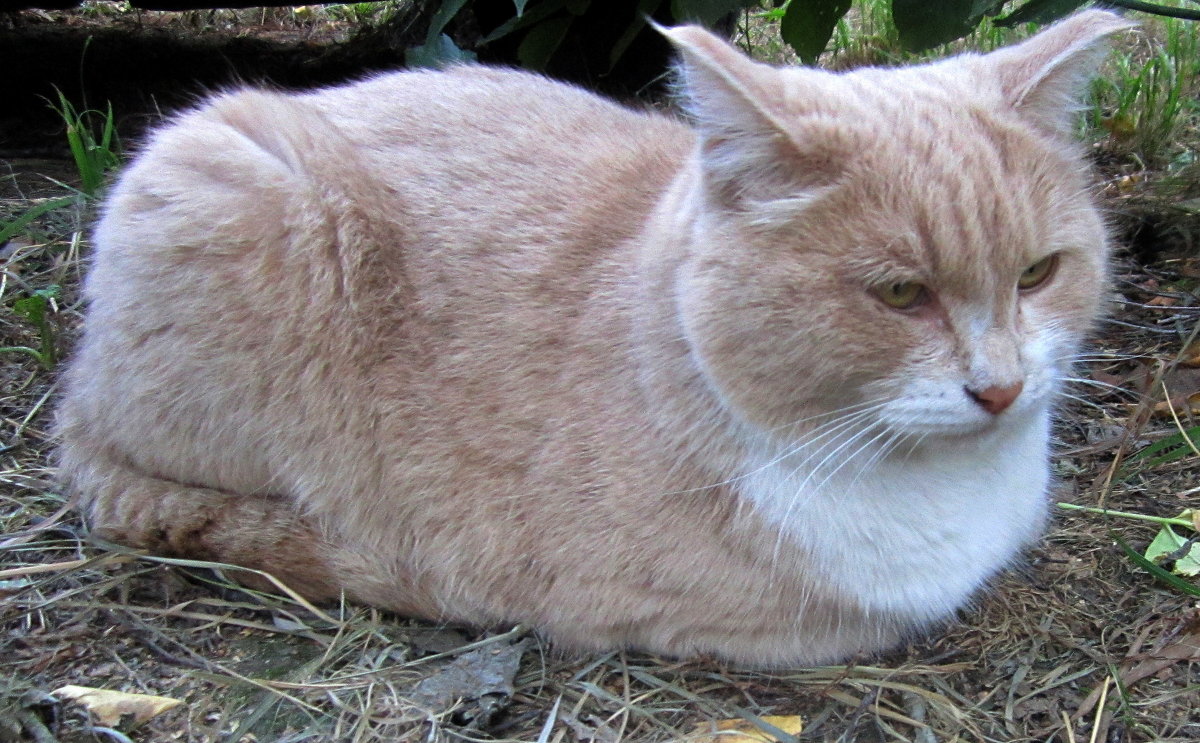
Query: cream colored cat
480, 347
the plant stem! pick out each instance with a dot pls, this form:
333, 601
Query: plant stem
1128, 515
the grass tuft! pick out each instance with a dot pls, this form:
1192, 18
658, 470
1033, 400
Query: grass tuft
93, 144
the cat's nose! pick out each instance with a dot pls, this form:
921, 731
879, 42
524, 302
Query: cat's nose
996, 399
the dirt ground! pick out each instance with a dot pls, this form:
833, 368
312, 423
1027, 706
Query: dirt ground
1078, 643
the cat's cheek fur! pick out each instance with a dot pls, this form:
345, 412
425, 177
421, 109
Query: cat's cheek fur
779, 347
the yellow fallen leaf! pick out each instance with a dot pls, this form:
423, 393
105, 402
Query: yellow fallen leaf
1189, 405
1161, 301
110, 707
744, 731
1190, 358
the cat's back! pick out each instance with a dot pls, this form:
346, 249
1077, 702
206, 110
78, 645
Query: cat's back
518, 151
459, 163
495, 110
379, 234
459, 135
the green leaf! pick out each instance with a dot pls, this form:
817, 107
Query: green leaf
807, 25
705, 12
537, 13
32, 309
542, 41
1039, 11
924, 24
1166, 544
441, 52
444, 14
1161, 574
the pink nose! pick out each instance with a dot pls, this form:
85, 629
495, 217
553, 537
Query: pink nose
996, 399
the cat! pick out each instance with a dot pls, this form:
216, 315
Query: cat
771, 385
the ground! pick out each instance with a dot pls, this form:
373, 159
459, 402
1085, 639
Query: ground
1078, 643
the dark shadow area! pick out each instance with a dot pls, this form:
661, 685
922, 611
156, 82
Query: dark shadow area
147, 71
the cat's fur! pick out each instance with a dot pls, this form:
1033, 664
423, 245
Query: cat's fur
477, 346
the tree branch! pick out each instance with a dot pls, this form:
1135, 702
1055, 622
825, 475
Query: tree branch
1160, 10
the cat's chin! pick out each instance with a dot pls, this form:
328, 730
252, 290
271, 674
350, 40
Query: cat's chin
935, 431
934, 435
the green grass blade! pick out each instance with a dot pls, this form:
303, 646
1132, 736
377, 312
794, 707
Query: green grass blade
1162, 574
9, 229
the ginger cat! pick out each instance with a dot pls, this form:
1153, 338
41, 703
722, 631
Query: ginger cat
476, 346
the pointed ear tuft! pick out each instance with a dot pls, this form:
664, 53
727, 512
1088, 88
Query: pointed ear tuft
1045, 77
719, 86
754, 149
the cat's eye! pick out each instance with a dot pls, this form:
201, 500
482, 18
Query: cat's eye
1038, 273
904, 295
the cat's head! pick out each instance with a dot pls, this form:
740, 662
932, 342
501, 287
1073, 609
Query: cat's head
922, 239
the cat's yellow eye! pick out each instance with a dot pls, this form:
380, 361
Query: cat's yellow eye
1038, 273
904, 295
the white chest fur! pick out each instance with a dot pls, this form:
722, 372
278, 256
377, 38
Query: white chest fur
914, 533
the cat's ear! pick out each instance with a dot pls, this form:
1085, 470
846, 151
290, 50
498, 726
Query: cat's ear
753, 150
1045, 77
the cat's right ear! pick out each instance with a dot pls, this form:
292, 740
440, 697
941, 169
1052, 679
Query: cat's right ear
754, 152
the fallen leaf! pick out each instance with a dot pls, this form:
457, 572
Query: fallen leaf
110, 707
485, 672
1182, 405
1190, 357
1168, 545
745, 731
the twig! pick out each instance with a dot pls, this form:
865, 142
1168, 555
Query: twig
1162, 10
116, 735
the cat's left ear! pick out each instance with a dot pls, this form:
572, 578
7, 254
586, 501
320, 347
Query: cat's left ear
1045, 77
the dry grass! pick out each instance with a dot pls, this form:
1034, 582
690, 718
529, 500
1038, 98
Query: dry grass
1077, 645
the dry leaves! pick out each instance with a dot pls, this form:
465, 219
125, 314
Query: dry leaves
745, 731
109, 707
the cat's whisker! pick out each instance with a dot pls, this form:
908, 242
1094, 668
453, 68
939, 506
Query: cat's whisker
916, 445
852, 455
818, 448
872, 404
825, 430
830, 429
1082, 400
881, 453
1102, 385
1103, 356
1137, 326
810, 470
